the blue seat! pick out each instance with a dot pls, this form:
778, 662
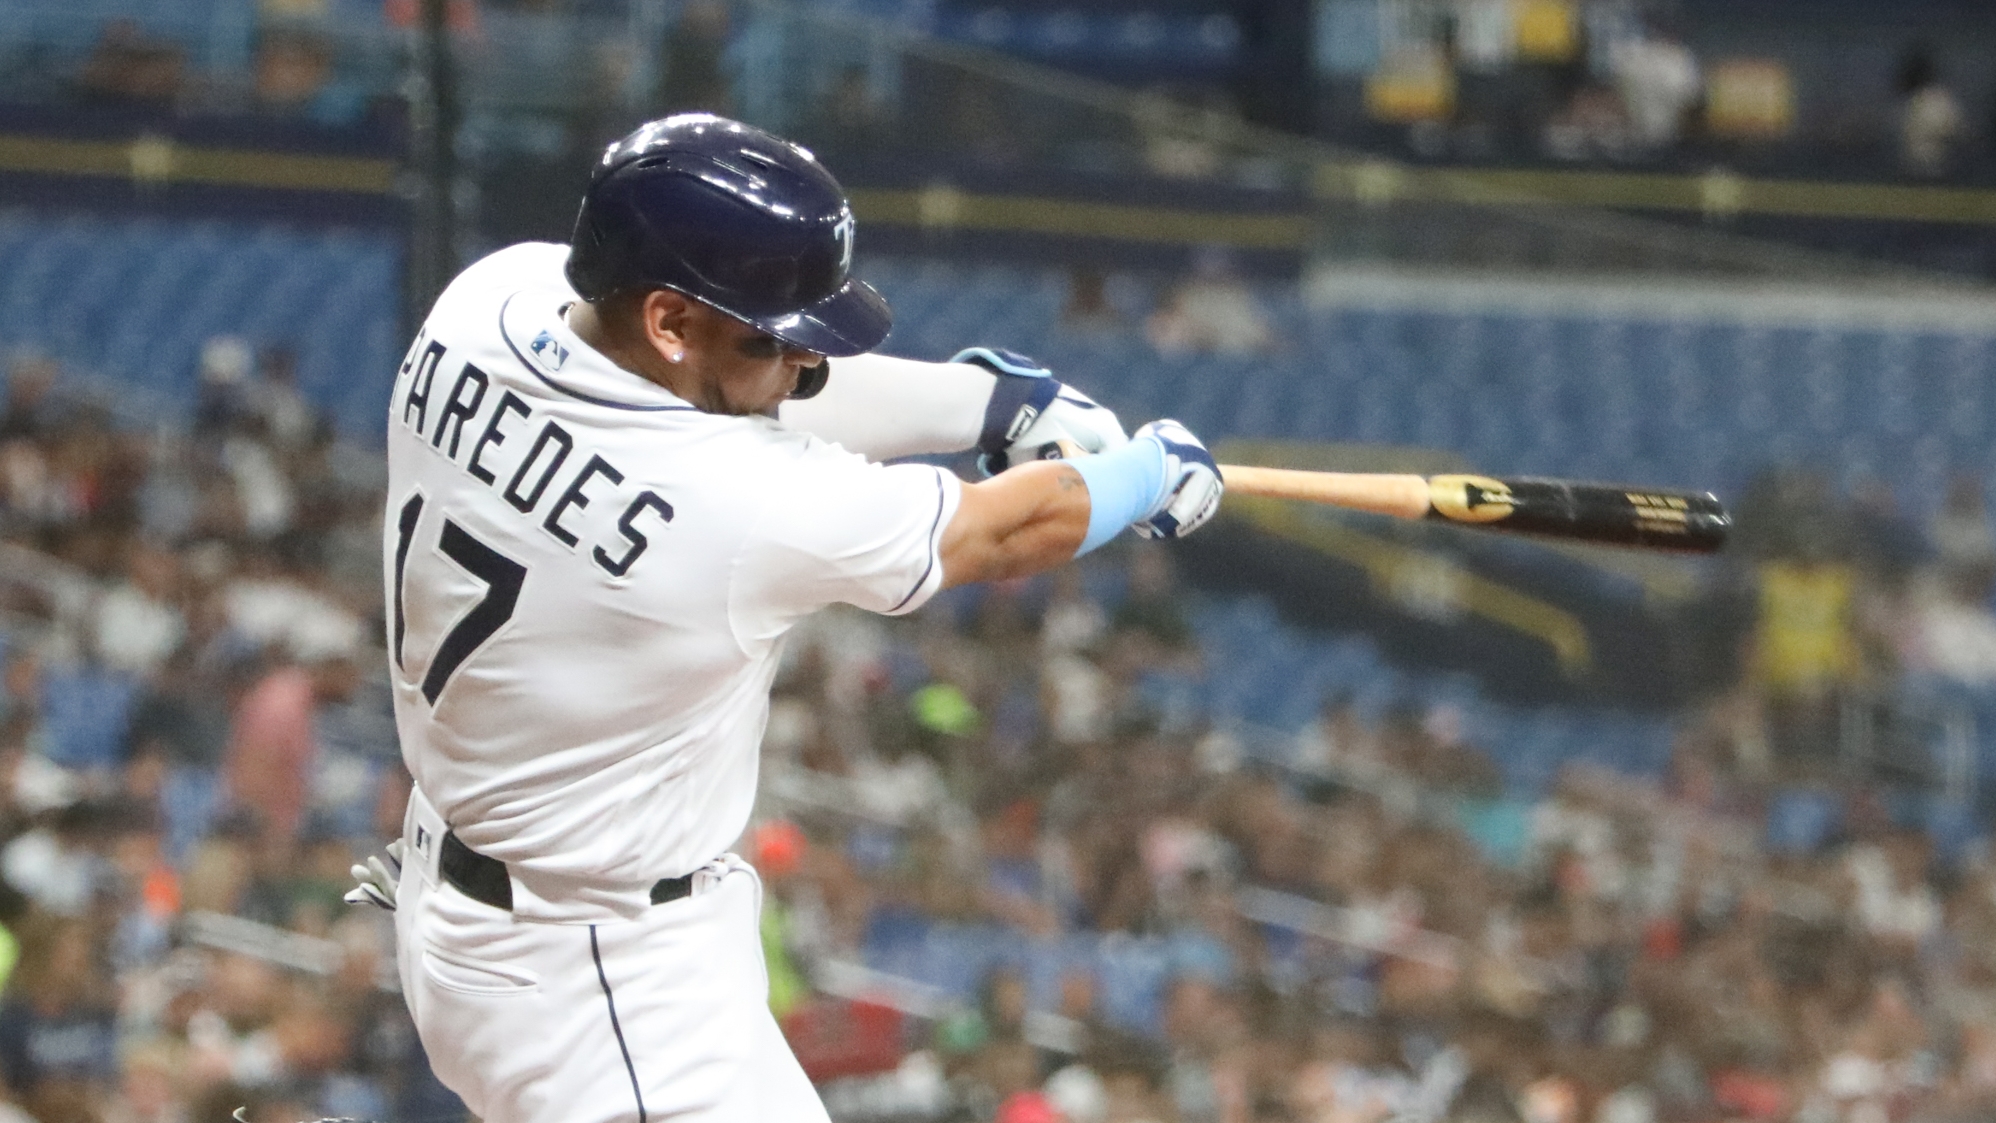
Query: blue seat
86, 713
1800, 820
1580, 394
131, 301
190, 799
1131, 975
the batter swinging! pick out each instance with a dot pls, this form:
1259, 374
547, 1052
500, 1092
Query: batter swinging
620, 470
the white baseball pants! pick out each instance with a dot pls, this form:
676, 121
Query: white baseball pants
662, 1018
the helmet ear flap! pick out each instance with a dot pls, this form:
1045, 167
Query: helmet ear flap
811, 380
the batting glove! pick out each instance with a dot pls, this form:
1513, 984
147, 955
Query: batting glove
1192, 483
379, 883
1031, 411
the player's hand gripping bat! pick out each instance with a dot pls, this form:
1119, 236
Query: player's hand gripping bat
1651, 518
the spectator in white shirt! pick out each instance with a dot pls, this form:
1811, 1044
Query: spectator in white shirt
138, 624
1659, 82
1931, 122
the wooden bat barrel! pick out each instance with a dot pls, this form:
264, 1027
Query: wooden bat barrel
1650, 518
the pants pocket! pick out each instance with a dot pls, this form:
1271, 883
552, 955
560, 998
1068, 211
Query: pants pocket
467, 976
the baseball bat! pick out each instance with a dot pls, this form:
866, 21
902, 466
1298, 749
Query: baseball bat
1652, 518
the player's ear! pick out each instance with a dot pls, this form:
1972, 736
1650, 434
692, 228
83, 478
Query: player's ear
662, 317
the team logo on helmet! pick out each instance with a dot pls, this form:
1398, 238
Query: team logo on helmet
842, 233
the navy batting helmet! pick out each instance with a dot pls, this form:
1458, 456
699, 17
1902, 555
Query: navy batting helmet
734, 217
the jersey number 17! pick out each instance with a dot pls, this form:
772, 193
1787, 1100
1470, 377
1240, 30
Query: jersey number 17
502, 576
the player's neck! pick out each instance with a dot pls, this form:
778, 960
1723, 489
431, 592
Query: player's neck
591, 327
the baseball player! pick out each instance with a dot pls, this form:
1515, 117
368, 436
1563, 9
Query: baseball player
619, 472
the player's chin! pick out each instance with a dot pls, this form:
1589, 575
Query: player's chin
778, 394
764, 407
750, 397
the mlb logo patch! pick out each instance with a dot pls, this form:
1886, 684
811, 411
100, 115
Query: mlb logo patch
550, 353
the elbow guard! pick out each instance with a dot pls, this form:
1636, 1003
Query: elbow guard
1023, 392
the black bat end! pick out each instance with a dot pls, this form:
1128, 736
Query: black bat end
1706, 525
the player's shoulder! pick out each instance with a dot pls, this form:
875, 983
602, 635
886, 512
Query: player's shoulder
528, 265
524, 262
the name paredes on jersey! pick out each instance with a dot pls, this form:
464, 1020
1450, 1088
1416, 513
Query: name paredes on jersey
458, 424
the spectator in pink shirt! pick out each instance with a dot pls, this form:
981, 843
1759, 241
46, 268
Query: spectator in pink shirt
272, 747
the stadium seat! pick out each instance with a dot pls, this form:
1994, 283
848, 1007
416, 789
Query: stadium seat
85, 712
141, 296
1569, 394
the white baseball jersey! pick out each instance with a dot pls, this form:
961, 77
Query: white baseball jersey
589, 581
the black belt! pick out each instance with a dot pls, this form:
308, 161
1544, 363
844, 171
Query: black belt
486, 881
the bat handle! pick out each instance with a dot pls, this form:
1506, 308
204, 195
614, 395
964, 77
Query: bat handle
1399, 495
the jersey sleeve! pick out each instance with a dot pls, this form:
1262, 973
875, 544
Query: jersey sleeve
882, 407
839, 530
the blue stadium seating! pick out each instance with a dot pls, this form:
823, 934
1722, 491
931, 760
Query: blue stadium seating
85, 713
1131, 973
130, 302
1573, 395
1262, 674
1576, 395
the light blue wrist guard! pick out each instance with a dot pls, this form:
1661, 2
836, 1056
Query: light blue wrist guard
1123, 486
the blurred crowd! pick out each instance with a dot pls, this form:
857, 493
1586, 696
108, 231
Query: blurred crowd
1169, 925
1861, 615
1620, 91
1012, 875
1211, 310
1563, 81
291, 74
195, 741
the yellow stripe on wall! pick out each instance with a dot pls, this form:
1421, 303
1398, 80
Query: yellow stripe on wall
1712, 193
159, 160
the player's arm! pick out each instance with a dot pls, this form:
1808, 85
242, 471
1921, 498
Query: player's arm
1038, 516
1029, 519
986, 399
830, 528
